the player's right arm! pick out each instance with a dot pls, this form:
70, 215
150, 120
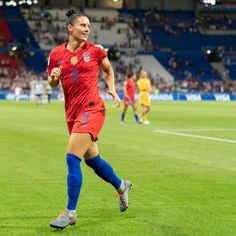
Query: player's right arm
125, 90
53, 71
53, 78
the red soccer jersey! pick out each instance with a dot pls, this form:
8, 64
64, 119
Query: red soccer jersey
130, 87
79, 77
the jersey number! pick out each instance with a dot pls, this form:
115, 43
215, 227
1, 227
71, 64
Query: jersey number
84, 119
75, 75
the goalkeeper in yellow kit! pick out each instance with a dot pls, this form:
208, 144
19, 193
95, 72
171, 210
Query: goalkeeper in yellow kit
144, 86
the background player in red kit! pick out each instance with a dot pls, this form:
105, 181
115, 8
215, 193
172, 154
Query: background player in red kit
129, 96
76, 63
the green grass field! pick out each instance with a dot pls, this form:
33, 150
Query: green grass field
183, 185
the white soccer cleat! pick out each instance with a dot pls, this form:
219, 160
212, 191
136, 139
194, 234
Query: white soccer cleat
124, 200
63, 220
146, 122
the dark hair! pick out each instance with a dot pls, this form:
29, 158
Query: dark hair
72, 16
130, 74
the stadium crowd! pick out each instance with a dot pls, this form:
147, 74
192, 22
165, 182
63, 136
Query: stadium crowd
142, 27
10, 78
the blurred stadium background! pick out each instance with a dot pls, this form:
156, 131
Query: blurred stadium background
186, 46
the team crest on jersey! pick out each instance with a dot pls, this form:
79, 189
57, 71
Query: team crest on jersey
86, 56
74, 60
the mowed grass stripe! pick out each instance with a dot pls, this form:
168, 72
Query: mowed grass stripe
181, 187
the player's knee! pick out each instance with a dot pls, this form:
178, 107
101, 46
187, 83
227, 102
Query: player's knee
72, 160
101, 168
69, 160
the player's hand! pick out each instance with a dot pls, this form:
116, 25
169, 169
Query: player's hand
55, 73
116, 98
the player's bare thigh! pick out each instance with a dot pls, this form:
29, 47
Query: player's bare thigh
79, 143
92, 151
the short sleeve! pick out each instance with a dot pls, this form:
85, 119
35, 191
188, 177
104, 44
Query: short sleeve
51, 62
101, 54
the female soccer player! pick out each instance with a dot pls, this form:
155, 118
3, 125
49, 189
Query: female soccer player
144, 86
129, 97
76, 64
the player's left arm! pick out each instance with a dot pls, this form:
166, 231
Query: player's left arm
110, 80
150, 86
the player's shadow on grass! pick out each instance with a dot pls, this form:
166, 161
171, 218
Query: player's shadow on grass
98, 218
25, 218
83, 224
6, 222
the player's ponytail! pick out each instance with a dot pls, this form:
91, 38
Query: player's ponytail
70, 12
71, 16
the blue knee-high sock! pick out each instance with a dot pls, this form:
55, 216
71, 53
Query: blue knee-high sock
136, 117
74, 180
104, 171
122, 117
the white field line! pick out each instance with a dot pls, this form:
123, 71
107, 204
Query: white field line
194, 136
204, 130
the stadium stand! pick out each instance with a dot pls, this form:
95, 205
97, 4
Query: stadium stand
5, 34
23, 38
171, 45
20, 54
